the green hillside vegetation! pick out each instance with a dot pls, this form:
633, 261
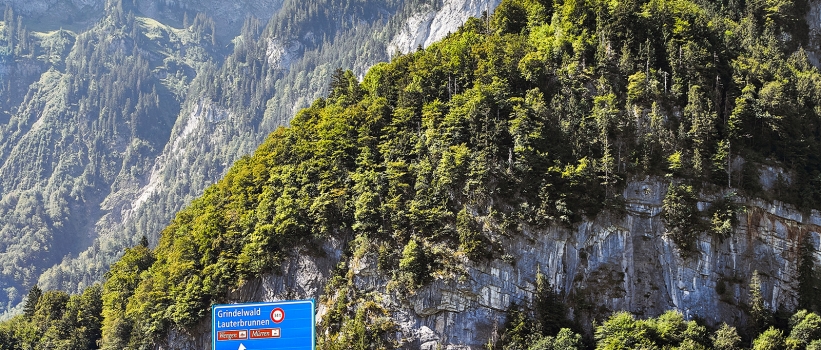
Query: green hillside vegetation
668, 331
55, 320
95, 119
248, 94
86, 117
526, 116
535, 116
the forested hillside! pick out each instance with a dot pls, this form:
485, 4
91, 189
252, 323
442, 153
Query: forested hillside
537, 116
116, 114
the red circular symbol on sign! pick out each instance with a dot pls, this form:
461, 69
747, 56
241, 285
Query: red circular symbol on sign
277, 315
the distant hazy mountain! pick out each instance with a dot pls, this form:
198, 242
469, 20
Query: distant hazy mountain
115, 114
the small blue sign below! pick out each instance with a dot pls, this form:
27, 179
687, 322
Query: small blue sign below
263, 326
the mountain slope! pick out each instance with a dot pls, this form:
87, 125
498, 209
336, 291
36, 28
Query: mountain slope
601, 155
623, 159
114, 125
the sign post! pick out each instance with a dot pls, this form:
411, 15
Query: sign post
263, 326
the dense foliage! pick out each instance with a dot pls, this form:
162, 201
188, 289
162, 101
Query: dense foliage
109, 126
55, 320
535, 116
622, 330
668, 331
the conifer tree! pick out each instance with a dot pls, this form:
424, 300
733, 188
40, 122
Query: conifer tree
550, 310
414, 261
518, 331
31, 301
807, 294
760, 316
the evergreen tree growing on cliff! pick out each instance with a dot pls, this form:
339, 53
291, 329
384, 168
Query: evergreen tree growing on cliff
414, 262
519, 330
760, 316
807, 280
681, 216
551, 312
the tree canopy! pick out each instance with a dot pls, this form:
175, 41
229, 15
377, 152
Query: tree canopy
537, 115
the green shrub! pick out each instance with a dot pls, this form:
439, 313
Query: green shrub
724, 216
414, 262
681, 216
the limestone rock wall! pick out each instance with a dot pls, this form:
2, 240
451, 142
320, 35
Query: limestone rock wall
302, 277
608, 264
620, 263
431, 24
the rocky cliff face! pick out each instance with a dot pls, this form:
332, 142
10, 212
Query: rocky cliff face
813, 19
431, 24
302, 276
606, 264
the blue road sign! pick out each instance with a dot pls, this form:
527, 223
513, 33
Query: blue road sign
262, 326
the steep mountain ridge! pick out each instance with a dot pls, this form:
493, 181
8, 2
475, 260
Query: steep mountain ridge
428, 26
214, 110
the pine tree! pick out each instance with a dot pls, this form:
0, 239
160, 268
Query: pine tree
760, 316
550, 310
337, 82
31, 301
807, 294
518, 331
699, 113
414, 261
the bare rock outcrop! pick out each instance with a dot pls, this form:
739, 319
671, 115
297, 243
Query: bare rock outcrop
607, 264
